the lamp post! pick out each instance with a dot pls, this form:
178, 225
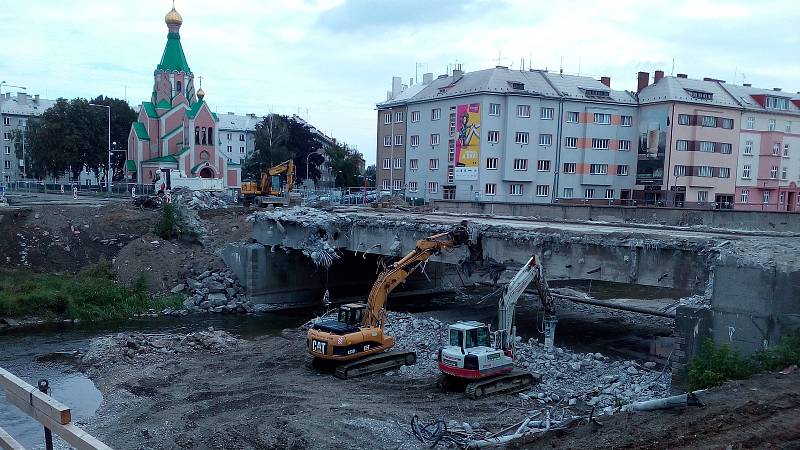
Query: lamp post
307, 156
108, 172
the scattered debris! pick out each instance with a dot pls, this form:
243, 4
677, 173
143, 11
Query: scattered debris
199, 199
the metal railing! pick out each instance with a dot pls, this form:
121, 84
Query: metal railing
119, 188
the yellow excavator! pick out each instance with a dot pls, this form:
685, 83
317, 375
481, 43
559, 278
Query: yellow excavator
355, 342
269, 189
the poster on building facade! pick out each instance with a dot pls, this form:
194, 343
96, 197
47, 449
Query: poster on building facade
653, 124
468, 141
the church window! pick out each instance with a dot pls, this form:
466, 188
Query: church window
204, 155
178, 87
197, 135
210, 135
203, 136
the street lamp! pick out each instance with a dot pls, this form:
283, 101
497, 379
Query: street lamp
108, 172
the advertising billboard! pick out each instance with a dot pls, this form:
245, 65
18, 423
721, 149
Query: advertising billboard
653, 124
468, 142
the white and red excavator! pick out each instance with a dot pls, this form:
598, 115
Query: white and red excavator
470, 360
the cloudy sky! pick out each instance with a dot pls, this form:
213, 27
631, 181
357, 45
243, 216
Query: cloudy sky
332, 60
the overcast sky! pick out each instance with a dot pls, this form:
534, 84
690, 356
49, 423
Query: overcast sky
331, 60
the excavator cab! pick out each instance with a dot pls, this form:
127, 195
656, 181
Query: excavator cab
469, 334
352, 313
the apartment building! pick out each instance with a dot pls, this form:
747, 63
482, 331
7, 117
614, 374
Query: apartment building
391, 143
15, 110
237, 135
517, 136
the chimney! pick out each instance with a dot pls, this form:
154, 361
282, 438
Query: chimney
776, 89
747, 85
458, 73
682, 75
396, 86
644, 80
606, 81
427, 78
659, 74
36, 98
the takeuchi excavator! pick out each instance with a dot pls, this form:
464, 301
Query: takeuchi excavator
270, 188
355, 342
471, 361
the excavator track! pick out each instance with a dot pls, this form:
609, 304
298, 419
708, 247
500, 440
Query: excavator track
375, 363
514, 381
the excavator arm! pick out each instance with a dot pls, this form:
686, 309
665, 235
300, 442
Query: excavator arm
531, 273
399, 271
286, 167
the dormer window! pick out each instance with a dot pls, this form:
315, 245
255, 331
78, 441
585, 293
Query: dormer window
517, 86
701, 95
596, 93
778, 103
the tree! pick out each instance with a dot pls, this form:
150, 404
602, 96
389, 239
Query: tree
301, 142
344, 164
122, 116
370, 174
280, 138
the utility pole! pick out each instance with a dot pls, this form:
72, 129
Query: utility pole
108, 172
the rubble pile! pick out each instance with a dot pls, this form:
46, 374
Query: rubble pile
199, 199
567, 377
215, 292
129, 346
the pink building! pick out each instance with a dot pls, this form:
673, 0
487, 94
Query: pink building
176, 129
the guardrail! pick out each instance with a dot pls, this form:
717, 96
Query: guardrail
43, 187
52, 414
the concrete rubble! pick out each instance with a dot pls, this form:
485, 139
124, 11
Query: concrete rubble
214, 292
316, 244
199, 199
568, 377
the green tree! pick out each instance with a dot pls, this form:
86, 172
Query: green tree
122, 116
279, 138
371, 173
344, 163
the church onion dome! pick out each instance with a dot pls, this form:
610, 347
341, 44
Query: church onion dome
201, 93
173, 18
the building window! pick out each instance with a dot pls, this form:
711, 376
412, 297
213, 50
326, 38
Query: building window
785, 150
776, 149
398, 117
751, 122
725, 148
435, 139
727, 124
398, 163
515, 189
546, 113
588, 193
436, 113
451, 150
523, 110
8, 150
387, 141
680, 171
433, 164
230, 148
451, 130
748, 147
520, 164
706, 146
708, 121
543, 165
521, 137
784, 173
7, 164
202, 135
788, 126
773, 173
413, 164
542, 190
569, 167
414, 140
491, 163
600, 144
622, 170
412, 185
625, 121
545, 139
746, 171
771, 125
571, 142
782, 197
724, 172
681, 145
602, 119
7, 121
387, 163
387, 118
493, 137
451, 174
573, 117
609, 194
568, 193
490, 189
702, 196
494, 109
777, 103
433, 187
598, 169
705, 171
624, 145
449, 193
745, 196
197, 135
765, 196
397, 184
415, 116
241, 149
398, 139
386, 184
683, 119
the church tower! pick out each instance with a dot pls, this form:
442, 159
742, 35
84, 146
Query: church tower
173, 79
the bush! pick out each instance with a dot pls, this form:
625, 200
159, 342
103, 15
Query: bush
167, 226
786, 353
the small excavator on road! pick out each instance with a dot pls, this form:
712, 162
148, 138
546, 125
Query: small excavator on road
269, 189
472, 362
355, 342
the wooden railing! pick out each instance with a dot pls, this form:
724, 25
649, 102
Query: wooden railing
54, 416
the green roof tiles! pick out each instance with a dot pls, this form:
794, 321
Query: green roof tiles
214, 115
173, 58
130, 165
195, 109
162, 159
233, 164
164, 104
141, 131
150, 109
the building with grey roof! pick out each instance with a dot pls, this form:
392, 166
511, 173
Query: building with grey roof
237, 135
15, 111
